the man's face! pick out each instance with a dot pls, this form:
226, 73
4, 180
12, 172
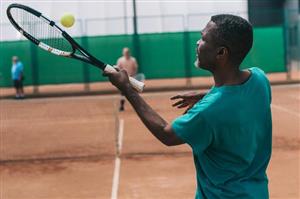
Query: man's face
206, 48
126, 52
14, 60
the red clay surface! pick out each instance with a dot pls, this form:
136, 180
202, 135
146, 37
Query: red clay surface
76, 138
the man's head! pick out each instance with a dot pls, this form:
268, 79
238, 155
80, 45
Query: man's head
126, 52
15, 59
226, 40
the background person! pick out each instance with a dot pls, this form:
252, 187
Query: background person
17, 77
128, 63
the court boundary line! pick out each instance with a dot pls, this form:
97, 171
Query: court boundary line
120, 136
117, 169
116, 176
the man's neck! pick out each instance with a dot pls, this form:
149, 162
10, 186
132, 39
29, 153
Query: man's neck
230, 76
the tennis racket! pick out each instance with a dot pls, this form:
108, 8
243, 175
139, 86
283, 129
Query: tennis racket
50, 37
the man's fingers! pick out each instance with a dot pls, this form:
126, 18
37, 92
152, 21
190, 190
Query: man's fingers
176, 97
178, 103
123, 71
109, 73
117, 68
183, 105
180, 96
105, 74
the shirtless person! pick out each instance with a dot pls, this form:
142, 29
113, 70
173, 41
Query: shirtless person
128, 63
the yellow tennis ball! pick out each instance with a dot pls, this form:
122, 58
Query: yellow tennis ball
67, 20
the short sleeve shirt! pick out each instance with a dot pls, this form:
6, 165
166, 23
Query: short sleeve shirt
17, 70
230, 133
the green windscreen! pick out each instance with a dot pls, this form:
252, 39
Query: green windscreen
161, 55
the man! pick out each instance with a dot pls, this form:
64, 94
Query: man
17, 77
230, 128
129, 64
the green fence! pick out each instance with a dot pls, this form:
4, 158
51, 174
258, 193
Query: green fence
162, 55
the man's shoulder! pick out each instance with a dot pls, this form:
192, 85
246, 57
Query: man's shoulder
19, 64
121, 61
120, 58
259, 75
257, 71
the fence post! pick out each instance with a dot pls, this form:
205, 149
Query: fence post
136, 39
85, 67
34, 68
187, 61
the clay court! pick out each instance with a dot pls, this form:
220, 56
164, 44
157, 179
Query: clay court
66, 139
66, 147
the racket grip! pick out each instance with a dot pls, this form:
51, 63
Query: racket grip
136, 84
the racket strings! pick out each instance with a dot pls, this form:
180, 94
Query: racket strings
40, 30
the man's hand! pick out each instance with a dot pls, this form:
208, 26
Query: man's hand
119, 79
187, 99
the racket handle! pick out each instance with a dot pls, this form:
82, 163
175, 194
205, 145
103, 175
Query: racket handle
136, 84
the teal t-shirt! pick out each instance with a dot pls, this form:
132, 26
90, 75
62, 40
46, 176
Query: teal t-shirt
17, 70
230, 132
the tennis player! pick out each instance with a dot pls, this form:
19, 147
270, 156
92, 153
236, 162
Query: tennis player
130, 65
230, 128
17, 77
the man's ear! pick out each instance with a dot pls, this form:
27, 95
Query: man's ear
222, 52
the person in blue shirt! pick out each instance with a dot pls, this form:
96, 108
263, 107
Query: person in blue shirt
229, 128
17, 77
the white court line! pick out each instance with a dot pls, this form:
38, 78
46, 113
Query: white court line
295, 113
120, 135
115, 185
116, 176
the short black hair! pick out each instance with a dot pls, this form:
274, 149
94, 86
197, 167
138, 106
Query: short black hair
235, 33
